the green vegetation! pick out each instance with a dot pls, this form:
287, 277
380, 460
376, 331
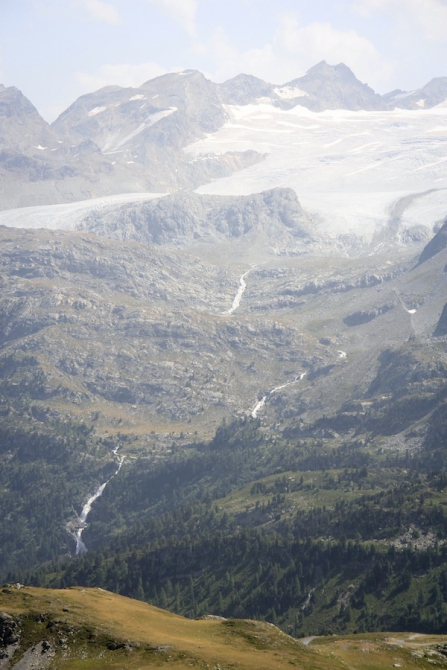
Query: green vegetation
48, 467
338, 539
317, 528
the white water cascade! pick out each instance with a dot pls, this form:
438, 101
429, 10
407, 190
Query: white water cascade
82, 519
239, 294
259, 405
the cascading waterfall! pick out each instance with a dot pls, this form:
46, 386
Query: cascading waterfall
260, 404
239, 294
82, 519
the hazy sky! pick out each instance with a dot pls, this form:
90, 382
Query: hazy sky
56, 50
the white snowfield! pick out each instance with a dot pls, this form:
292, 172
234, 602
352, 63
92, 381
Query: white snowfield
66, 217
117, 139
348, 168
353, 171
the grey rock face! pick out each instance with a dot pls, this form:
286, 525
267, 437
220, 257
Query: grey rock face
9, 638
335, 87
430, 95
244, 89
441, 328
359, 318
322, 87
37, 165
28, 146
9, 630
169, 111
436, 244
185, 218
113, 141
37, 657
21, 126
143, 131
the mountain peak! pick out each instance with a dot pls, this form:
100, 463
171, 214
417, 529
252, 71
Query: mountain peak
335, 87
323, 69
244, 89
176, 76
15, 105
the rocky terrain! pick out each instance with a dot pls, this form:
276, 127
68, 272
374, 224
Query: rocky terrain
145, 330
216, 286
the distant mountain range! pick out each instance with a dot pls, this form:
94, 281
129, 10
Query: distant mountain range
124, 140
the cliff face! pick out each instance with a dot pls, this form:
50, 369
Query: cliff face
436, 244
441, 327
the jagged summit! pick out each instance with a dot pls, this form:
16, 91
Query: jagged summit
335, 87
14, 103
244, 89
323, 68
183, 76
132, 140
22, 130
432, 94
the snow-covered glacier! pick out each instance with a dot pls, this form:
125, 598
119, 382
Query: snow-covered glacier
349, 168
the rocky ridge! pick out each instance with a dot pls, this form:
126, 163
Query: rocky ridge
132, 139
187, 218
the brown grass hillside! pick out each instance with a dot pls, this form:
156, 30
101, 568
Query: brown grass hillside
94, 629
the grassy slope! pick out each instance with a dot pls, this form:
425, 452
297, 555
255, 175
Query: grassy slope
157, 638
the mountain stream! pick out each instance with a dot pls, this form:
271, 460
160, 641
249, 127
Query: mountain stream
81, 523
239, 294
263, 400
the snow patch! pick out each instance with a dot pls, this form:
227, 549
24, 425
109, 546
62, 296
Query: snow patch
40, 147
404, 94
137, 97
290, 92
116, 140
96, 110
421, 103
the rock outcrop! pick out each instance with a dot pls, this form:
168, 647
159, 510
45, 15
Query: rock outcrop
441, 328
436, 244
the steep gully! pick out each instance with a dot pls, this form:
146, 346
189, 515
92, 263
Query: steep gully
81, 523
